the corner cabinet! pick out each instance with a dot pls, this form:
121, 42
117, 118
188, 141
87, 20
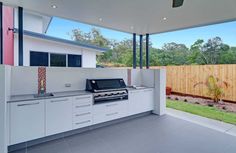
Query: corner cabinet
26, 121
58, 115
141, 100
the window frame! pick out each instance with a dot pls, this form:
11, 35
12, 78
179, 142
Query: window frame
81, 59
49, 58
39, 52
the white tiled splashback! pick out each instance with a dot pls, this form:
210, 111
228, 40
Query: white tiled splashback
24, 79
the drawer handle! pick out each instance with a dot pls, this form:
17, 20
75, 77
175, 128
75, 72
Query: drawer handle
111, 105
83, 114
78, 98
28, 104
56, 101
111, 114
147, 90
83, 122
80, 106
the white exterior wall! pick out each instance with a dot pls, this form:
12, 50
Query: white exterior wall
41, 45
31, 22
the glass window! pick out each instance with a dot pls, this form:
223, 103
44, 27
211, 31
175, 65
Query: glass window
38, 59
58, 60
74, 60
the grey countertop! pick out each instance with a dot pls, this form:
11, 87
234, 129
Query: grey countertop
139, 88
28, 97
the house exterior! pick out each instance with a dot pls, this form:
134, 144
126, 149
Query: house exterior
56, 52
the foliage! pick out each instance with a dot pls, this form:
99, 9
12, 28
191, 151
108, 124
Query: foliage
214, 51
215, 87
205, 111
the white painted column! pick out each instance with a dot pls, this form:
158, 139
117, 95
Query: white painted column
3, 110
160, 92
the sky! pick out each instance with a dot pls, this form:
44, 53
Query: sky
227, 31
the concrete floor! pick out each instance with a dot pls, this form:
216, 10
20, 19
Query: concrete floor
149, 134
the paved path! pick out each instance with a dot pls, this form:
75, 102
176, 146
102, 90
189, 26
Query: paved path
206, 122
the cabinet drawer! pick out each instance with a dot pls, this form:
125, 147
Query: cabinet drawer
26, 121
87, 99
109, 111
82, 123
82, 108
113, 106
82, 120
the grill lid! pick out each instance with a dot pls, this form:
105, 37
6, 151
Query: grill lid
96, 85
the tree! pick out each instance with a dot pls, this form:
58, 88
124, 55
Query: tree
173, 54
212, 50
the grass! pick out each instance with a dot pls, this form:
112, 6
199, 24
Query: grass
205, 111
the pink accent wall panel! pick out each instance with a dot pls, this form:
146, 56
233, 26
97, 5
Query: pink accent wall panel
41, 78
8, 36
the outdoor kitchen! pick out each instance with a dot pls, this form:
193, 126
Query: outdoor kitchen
66, 100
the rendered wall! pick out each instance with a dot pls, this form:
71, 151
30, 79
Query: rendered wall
58, 77
3, 111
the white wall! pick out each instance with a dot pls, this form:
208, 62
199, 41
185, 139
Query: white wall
58, 77
31, 22
41, 45
160, 91
24, 79
3, 109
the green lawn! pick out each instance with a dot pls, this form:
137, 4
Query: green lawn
205, 111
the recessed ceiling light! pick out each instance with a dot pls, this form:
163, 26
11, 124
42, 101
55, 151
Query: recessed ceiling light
100, 19
131, 27
164, 18
54, 6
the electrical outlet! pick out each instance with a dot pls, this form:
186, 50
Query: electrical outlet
67, 85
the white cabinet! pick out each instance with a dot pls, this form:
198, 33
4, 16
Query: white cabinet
109, 111
148, 99
26, 121
141, 100
58, 115
82, 111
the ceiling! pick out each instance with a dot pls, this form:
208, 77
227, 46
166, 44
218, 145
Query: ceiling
135, 16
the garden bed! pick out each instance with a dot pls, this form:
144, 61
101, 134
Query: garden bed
224, 106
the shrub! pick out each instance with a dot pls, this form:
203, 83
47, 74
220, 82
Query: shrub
215, 87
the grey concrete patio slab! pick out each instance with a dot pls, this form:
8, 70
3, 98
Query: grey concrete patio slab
203, 121
148, 134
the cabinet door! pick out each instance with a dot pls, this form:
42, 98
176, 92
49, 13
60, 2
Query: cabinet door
58, 115
134, 102
147, 100
26, 121
140, 101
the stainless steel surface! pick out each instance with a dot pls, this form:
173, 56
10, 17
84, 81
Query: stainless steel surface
43, 95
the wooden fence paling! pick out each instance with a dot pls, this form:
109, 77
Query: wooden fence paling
182, 79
